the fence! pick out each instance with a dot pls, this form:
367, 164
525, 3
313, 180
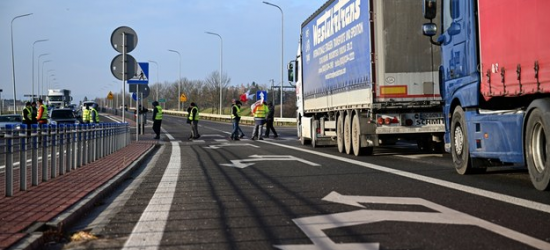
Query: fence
49, 151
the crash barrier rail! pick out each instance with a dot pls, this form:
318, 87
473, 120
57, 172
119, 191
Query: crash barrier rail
56, 149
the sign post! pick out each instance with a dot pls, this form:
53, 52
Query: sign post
124, 40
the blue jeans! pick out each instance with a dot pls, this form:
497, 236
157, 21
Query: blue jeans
236, 129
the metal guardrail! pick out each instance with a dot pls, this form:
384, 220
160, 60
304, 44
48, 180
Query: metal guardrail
62, 148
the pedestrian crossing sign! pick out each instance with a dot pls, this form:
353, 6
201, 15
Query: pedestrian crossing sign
110, 95
142, 74
183, 98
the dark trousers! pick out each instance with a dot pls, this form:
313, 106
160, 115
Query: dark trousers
269, 126
156, 126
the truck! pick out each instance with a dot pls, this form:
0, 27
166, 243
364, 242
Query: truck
365, 77
59, 98
495, 77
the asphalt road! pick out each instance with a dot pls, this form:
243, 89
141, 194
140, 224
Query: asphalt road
214, 193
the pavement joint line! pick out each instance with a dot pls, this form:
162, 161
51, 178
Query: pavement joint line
76, 209
446, 184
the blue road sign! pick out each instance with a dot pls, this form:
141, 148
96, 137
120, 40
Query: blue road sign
142, 74
135, 97
261, 94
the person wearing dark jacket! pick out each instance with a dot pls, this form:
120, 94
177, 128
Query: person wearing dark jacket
157, 119
235, 119
270, 118
193, 119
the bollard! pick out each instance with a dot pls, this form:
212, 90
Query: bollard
23, 157
53, 150
9, 160
68, 144
44, 131
61, 139
34, 154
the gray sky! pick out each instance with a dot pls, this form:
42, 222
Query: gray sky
80, 51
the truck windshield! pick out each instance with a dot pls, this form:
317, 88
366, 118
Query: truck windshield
56, 98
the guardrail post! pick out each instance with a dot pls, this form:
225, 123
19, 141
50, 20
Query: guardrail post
73, 145
23, 158
44, 143
68, 145
53, 151
61, 130
9, 160
78, 145
34, 154
101, 139
92, 143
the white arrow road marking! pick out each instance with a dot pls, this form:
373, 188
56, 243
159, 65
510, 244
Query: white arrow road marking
242, 163
230, 145
313, 226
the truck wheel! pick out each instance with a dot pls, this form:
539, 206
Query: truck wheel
340, 133
537, 147
460, 149
347, 134
356, 139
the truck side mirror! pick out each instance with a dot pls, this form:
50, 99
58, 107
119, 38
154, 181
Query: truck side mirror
290, 68
429, 29
429, 9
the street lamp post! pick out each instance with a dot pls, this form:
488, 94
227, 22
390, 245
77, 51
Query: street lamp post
158, 79
38, 85
42, 73
13, 63
179, 85
221, 65
35, 42
282, 51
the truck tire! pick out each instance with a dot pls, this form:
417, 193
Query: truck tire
356, 139
347, 134
537, 146
340, 133
460, 148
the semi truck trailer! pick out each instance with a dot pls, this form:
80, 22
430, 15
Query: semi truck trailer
364, 78
495, 76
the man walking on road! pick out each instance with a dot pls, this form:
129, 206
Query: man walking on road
270, 118
157, 119
235, 119
260, 111
193, 119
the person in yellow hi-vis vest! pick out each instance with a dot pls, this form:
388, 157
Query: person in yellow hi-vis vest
86, 117
157, 119
193, 119
260, 112
94, 114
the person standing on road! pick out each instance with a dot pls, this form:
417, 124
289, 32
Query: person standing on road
86, 114
270, 118
193, 118
42, 115
235, 119
34, 113
27, 117
260, 111
94, 114
157, 119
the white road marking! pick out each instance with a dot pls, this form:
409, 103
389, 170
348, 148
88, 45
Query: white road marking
467, 189
148, 231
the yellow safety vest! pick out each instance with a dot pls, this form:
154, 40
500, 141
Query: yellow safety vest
29, 114
196, 118
44, 113
86, 116
96, 115
238, 111
261, 111
158, 115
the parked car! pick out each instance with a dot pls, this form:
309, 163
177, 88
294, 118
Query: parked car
62, 116
12, 119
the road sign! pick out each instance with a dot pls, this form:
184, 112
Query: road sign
143, 91
130, 65
261, 95
110, 95
162, 100
142, 74
183, 98
128, 35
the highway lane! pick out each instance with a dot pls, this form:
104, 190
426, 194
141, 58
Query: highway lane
289, 196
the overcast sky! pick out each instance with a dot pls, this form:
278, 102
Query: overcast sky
80, 53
